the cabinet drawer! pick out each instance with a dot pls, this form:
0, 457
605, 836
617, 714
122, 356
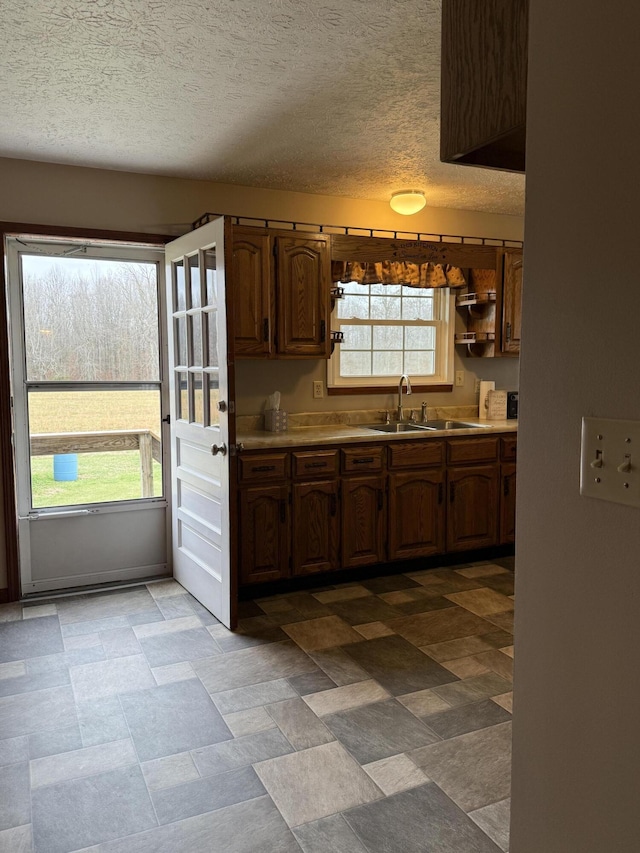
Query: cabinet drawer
416, 454
315, 463
358, 459
265, 468
472, 450
508, 448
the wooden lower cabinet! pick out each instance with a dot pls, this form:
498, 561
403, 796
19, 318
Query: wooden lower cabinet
307, 512
416, 514
363, 521
472, 511
315, 527
508, 504
264, 534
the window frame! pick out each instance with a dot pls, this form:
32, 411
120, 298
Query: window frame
442, 378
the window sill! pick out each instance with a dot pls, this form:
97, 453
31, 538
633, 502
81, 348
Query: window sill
343, 390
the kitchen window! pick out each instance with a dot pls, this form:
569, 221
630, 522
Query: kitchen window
390, 330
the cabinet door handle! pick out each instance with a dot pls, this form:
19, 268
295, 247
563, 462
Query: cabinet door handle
508, 332
323, 331
452, 492
440, 493
506, 488
283, 511
265, 330
380, 499
333, 505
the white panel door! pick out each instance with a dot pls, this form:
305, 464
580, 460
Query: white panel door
200, 418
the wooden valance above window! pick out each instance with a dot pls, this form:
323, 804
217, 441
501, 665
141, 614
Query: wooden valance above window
398, 272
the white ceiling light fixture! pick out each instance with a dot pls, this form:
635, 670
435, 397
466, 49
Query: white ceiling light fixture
407, 201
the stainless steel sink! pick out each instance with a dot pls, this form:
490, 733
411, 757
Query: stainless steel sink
435, 425
397, 427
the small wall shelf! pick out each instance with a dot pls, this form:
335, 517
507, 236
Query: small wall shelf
472, 299
475, 337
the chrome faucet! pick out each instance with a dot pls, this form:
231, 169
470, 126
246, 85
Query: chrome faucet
403, 378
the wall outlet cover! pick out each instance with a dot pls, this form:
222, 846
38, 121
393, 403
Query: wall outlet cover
459, 378
318, 388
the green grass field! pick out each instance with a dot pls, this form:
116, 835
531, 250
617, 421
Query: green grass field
101, 476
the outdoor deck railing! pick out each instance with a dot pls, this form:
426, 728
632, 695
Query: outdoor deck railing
147, 442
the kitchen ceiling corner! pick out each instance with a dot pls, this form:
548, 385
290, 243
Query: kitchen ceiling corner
336, 98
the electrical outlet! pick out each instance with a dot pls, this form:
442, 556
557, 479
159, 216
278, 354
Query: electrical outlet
318, 388
459, 378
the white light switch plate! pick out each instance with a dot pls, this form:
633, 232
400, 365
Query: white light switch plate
610, 460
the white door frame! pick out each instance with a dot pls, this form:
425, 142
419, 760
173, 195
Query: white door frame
61, 525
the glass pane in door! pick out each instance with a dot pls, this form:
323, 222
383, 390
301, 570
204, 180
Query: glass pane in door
90, 320
94, 446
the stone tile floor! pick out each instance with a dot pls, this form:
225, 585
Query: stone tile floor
369, 717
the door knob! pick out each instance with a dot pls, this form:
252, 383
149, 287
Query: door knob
222, 406
219, 448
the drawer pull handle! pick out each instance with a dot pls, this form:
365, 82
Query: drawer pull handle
366, 460
259, 469
315, 464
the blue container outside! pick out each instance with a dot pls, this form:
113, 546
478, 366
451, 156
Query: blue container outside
65, 467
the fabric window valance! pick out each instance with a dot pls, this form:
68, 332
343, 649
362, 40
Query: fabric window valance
398, 272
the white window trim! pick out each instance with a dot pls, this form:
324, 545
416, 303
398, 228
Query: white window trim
444, 352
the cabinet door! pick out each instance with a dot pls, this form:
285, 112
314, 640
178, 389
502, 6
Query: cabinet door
416, 514
512, 301
252, 294
508, 505
316, 527
363, 521
472, 510
304, 292
264, 534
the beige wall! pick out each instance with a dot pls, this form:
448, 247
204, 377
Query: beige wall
577, 700
47, 194
92, 198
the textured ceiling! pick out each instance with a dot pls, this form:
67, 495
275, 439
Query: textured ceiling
337, 97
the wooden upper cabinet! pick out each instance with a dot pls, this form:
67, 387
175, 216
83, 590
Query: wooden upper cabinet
252, 293
303, 294
484, 83
512, 301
